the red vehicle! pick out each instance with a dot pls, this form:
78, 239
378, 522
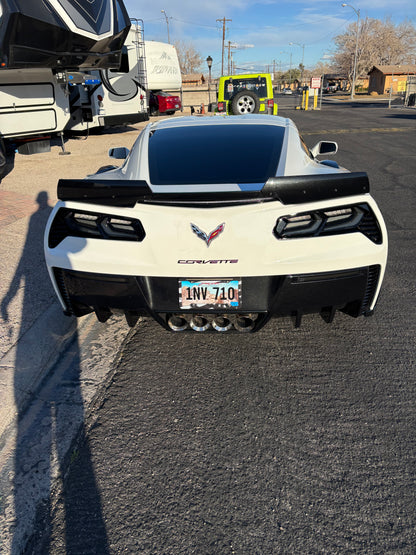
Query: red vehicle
163, 103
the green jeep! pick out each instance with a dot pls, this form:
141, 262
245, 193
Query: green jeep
246, 94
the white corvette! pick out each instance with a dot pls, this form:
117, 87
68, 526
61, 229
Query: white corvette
218, 223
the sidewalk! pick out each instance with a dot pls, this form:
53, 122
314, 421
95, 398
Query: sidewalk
34, 334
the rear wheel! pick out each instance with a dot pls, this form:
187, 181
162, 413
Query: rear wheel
245, 102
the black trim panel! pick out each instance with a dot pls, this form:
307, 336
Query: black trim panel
288, 190
110, 192
350, 291
126, 119
310, 188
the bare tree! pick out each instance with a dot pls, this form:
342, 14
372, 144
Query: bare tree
190, 59
321, 68
379, 43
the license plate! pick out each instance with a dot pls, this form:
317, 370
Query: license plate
209, 294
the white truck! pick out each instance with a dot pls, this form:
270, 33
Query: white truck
45, 46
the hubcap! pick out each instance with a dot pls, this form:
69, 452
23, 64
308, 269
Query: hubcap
246, 105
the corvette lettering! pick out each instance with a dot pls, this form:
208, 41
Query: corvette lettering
220, 261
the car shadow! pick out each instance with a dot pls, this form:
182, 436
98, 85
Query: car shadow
45, 413
402, 115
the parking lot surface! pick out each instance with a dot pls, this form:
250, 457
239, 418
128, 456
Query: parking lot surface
285, 441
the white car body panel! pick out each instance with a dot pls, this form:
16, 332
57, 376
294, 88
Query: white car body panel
247, 246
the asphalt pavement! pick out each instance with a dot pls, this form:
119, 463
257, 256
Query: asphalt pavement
285, 441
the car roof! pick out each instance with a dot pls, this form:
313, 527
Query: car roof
220, 119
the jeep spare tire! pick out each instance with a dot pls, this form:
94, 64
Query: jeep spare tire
245, 102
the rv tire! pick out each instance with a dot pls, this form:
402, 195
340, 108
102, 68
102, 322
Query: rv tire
6, 157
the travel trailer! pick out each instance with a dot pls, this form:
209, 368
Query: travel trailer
119, 96
45, 46
164, 78
147, 82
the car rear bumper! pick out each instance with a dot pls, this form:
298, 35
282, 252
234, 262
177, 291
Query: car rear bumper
351, 291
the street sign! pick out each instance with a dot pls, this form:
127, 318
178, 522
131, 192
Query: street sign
315, 82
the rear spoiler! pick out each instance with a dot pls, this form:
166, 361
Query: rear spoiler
288, 190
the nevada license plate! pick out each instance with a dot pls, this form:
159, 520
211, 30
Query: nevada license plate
209, 294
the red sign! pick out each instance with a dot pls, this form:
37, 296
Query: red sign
315, 82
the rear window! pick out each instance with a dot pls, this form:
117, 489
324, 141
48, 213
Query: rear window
234, 86
214, 154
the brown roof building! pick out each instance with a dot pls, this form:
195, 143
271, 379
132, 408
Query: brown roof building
382, 78
193, 80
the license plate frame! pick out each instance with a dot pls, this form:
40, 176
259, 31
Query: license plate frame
210, 294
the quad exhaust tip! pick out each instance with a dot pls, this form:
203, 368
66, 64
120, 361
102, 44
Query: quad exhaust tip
242, 323
177, 323
200, 323
222, 323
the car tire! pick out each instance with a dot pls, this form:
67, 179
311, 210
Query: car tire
245, 102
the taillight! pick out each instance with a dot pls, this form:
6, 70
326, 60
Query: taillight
270, 103
221, 106
88, 225
349, 219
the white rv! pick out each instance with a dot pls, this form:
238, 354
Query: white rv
164, 78
162, 67
120, 97
149, 70
42, 46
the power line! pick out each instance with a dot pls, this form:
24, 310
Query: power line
195, 24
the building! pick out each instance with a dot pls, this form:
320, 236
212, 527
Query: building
382, 78
193, 80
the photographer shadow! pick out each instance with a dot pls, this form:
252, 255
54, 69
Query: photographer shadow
50, 413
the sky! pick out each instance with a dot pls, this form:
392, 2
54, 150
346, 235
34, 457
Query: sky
268, 33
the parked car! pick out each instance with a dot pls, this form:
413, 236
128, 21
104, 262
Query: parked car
218, 223
330, 88
162, 103
287, 91
246, 94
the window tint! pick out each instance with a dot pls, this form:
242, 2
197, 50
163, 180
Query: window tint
234, 86
214, 154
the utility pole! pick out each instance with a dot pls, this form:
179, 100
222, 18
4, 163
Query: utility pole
224, 20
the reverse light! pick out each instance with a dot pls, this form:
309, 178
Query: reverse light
350, 219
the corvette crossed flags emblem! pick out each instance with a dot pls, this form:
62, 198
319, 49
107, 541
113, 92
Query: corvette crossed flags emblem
207, 238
